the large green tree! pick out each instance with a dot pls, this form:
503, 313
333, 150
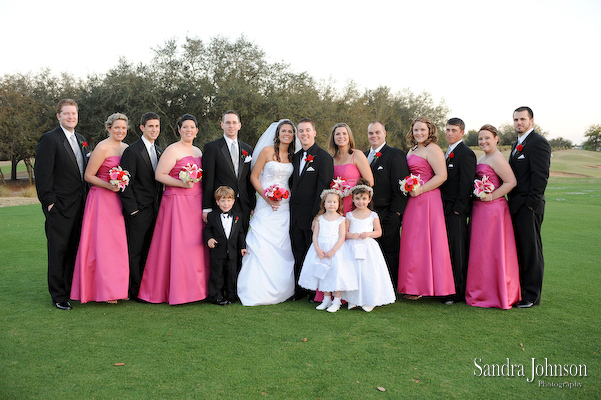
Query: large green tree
593, 137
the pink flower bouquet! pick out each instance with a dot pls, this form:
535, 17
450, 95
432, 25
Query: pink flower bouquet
276, 192
190, 173
482, 187
119, 177
341, 185
411, 183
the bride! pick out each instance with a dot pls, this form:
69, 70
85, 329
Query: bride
267, 274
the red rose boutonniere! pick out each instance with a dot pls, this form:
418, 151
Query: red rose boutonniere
236, 221
519, 148
451, 156
378, 155
84, 143
309, 158
245, 153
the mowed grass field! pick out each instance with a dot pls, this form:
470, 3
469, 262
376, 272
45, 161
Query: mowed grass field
419, 349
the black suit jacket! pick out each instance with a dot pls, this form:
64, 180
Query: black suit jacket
306, 188
388, 170
458, 188
218, 170
531, 168
57, 177
143, 190
214, 230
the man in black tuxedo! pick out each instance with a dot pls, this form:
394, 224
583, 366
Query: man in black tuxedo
530, 161
61, 158
389, 166
456, 195
313, 172
226, 162
141, 197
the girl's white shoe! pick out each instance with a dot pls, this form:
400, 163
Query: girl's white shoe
368, 308
335, 305
327, 301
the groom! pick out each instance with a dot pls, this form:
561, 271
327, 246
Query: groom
226, 162
61, 157
141, 197
313, 172
530, 161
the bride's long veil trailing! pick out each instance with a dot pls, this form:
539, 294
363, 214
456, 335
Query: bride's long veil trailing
267, 138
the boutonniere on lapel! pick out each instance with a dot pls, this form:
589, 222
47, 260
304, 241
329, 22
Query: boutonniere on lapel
247, 158
519, 148
84, 144
377, 155
236, 220
451, 156
309, 158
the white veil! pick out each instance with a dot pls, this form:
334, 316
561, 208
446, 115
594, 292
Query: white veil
267, 138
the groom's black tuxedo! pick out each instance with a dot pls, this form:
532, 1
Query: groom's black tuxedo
389, 202
527, 205
218, 170
456, 195
305, 190
58, 181
140, 201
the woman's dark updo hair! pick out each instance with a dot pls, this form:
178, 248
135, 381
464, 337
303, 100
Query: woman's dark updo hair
185, 117
276, 140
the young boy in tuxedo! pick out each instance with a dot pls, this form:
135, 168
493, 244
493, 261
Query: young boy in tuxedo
226, 239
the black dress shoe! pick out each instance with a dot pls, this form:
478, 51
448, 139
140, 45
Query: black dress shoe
524, 304
221, 302
63, 305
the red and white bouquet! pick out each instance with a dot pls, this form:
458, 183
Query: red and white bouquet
342, 186
411, 183
482, 187
190, 173
119, 177
276, 192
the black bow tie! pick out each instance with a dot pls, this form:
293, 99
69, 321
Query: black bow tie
226, 214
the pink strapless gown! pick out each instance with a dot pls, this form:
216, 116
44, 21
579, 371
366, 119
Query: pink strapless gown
424, 261
493, 277
350, 173
102, 264
177, 269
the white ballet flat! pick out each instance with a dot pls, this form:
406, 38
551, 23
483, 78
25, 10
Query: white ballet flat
368, 308
334, 307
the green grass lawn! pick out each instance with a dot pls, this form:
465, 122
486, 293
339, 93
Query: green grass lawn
420, 350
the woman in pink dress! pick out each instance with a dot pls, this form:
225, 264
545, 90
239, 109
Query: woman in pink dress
177, 268
424, 260
350, 164
493, 278
102, 264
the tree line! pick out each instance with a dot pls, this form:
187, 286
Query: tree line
206, 79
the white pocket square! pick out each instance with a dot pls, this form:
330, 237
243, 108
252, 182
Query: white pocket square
310, 169
521, 157
248, 159
450, 165
380, 167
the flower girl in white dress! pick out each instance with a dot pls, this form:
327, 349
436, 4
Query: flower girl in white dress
363, 225
328, 265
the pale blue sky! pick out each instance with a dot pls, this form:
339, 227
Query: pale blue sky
484, 58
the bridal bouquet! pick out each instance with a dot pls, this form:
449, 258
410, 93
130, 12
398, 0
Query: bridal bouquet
276, 192
341, 185
190, 173
411, 183
119, 177
482, 187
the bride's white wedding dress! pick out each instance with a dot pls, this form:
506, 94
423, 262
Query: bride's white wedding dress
267, 274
